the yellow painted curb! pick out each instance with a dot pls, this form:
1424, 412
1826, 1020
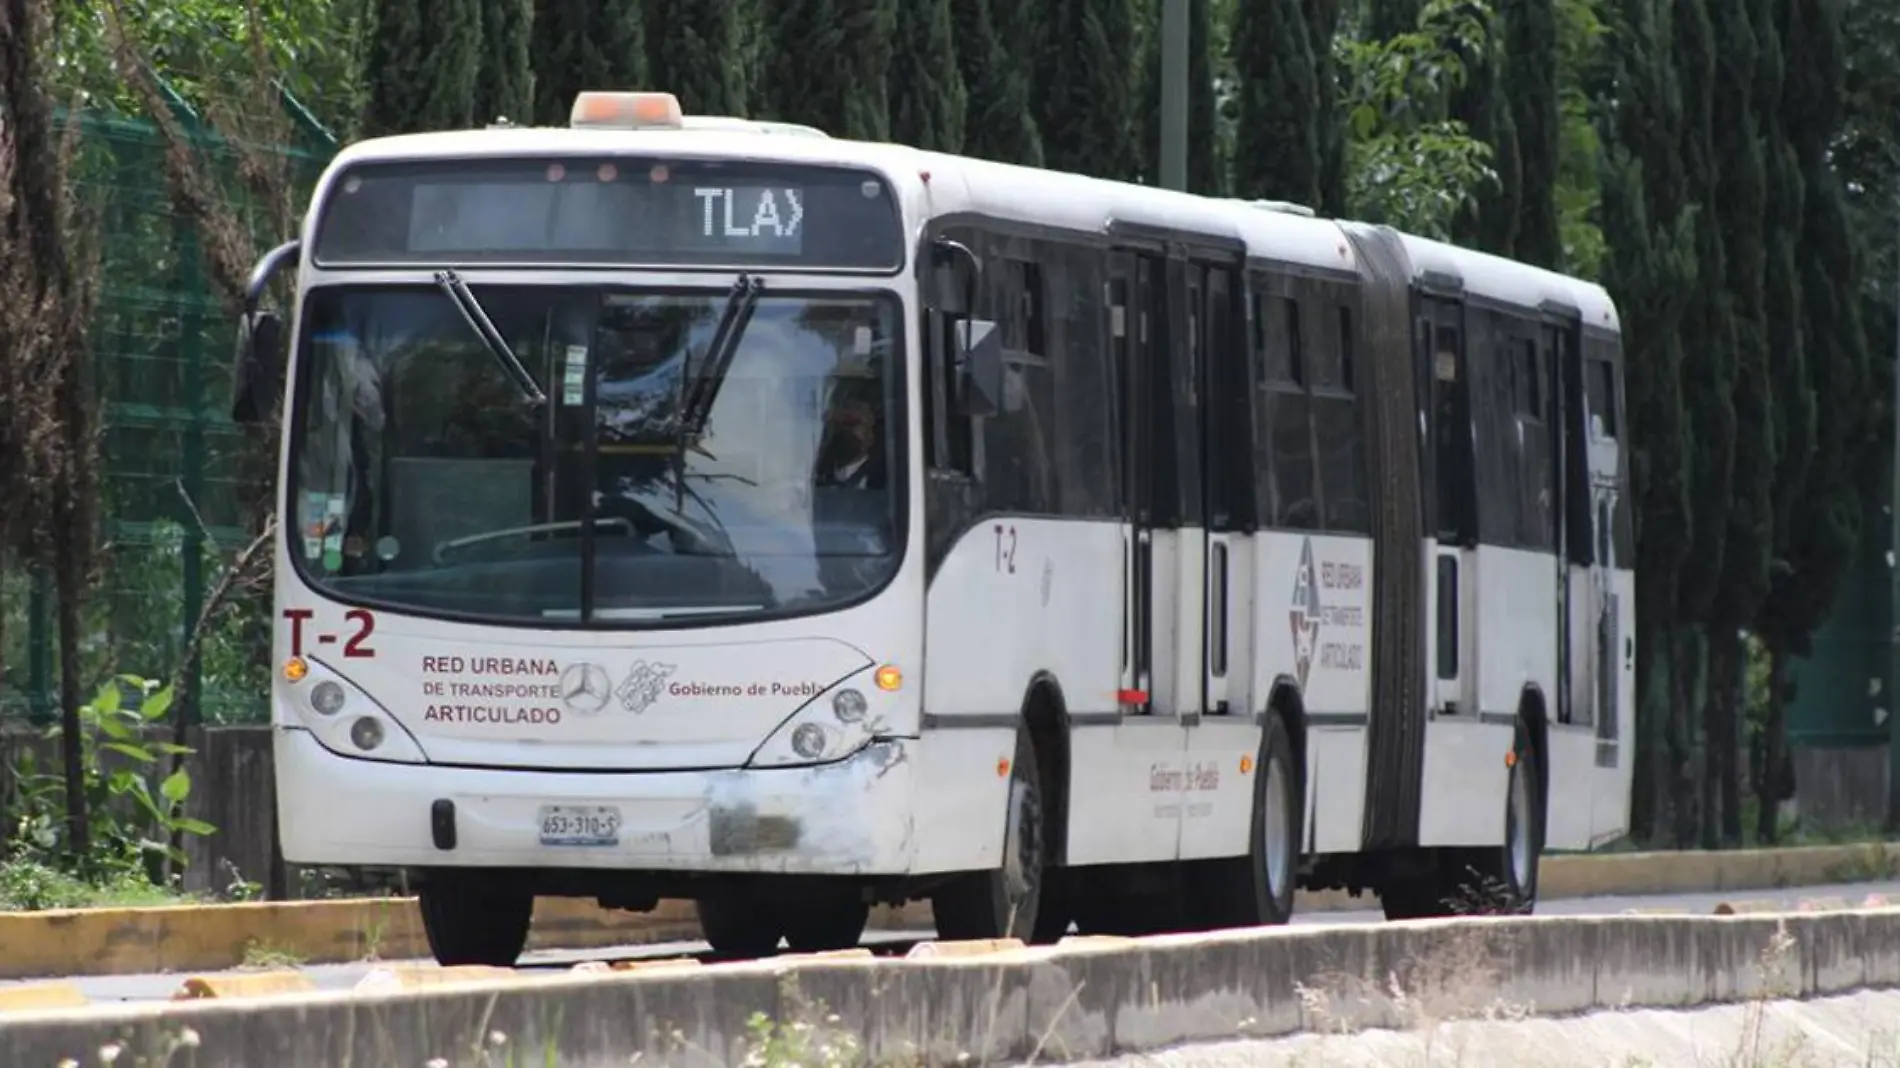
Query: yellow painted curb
32, 997
243, 985
216, 937
974, 947
644, 965
1747, 908
425, 976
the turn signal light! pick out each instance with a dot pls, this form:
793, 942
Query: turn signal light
295, 669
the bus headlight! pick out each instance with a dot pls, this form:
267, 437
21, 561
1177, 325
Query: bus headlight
829, 728
849, 704
345, 720
326, 698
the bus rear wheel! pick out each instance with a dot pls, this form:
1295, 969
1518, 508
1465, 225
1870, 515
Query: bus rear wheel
1500, 881
825, 924
468, 920
1257, 890
1005, 902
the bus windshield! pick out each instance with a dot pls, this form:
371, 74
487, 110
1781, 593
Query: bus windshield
649, 482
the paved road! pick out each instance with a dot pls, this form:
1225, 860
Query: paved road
343, 976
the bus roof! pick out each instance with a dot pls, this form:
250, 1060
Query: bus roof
935, 184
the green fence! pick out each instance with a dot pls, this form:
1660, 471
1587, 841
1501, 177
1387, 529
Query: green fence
181, 487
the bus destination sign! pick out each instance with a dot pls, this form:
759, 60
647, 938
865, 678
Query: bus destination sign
636, 212
772, 217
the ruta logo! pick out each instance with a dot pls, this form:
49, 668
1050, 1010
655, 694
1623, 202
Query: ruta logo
644, 685
1304, 612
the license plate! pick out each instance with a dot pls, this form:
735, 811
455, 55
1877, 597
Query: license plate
580, 825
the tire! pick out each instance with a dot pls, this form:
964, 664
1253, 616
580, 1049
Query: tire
1523, 850
738, 925
1005, 902
469, 921
825, 925
1500, 881
1257, 890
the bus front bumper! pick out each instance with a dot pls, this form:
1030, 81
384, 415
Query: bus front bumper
852, 817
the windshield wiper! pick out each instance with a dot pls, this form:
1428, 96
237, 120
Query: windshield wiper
704, 387
699, 390
464, 300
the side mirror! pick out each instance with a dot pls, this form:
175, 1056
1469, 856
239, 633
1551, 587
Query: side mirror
953, 276
257, 374
979, 368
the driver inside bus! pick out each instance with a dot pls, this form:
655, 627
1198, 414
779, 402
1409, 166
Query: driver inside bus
851, 457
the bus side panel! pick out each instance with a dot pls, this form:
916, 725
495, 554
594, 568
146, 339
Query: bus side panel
1616, 753
1313, 626
1516, 628
1464, 762
1568, 816
1014, 599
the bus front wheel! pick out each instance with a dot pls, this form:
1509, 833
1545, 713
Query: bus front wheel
1005, 902
469, 920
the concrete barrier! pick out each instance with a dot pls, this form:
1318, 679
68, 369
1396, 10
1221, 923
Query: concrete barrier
1083, 999
205, 938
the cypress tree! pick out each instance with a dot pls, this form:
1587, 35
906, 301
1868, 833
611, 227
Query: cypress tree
1086, 78
421, 63
1482, 103
1650, 268
696, 51
827, 63
505, 87
1206, 163
1329, 132
1708, 379
1824, 537
1741, 191
585, 44
998, 122
927, 97
1779, 620
1277, 140
1386, 19
1530, 99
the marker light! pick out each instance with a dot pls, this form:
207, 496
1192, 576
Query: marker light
889, 678
295, 669
598, 110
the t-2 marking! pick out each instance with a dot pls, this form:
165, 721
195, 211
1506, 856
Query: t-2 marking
1006, 548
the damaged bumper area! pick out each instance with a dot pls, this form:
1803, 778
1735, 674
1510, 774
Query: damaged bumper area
852, 817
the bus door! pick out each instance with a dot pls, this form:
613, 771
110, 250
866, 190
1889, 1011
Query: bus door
1156, 697
1216, 803
1439, 334
1576, 652
1603, 512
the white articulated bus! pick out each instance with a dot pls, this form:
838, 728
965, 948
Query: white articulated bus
700, 509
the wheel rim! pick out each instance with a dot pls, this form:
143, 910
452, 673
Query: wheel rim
1277, 835
1021, 870
1520, 827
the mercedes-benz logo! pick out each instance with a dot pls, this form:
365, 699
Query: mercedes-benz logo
585, 687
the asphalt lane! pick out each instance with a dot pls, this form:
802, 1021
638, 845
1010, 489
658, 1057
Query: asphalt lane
161, 986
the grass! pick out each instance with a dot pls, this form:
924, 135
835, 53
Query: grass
27, 886
268, 956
